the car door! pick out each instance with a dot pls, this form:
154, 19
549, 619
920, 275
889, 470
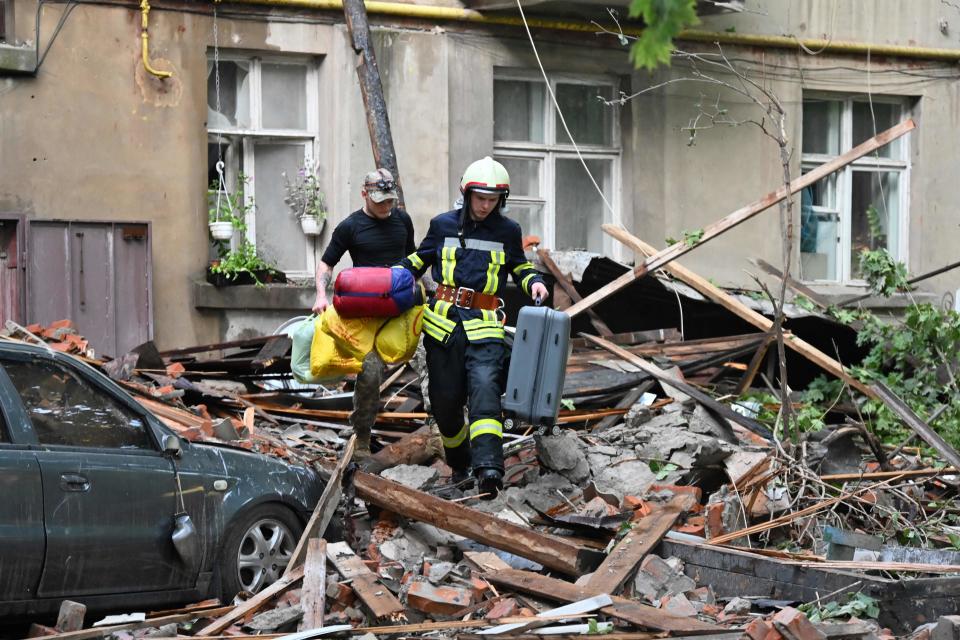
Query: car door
22, 537
109, 494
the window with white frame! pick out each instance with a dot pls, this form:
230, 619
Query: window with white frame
266, 126
863, 206
551, 195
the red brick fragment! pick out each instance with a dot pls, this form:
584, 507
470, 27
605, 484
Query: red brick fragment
793, 624
175, 369
759, 629
504, 609
442, 600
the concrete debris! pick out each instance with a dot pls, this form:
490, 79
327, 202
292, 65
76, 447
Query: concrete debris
413, 476
640, 500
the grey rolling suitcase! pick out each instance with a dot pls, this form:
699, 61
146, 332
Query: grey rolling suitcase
538, 365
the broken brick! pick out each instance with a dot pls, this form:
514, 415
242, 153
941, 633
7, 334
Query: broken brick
175, 369
759, 629
695, 526
677, 489
504, 609
793, 624
443, 600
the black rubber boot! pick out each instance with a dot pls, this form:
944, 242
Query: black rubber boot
489, 483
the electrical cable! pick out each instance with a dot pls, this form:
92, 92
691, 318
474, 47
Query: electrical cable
71, 5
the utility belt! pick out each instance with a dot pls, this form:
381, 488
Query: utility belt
467, 298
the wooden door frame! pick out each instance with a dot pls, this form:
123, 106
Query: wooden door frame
21, 221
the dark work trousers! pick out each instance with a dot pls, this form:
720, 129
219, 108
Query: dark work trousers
366, 399
462, 373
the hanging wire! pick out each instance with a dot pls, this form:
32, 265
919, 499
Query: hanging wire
556, 105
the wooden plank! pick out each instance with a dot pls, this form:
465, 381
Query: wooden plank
418, 447
486, 561
550, 551
664, 257
628, 610
99, 632
325, 508
313, 598
912, 420
637, 543
571, 291
795, 285
287, 581
736, 307
219, 346
754, 366
276, 347
634, 337
701, 397
381, 602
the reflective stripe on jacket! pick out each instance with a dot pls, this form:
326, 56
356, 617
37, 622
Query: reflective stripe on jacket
492, 249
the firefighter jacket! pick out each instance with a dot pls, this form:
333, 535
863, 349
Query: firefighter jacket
492, 249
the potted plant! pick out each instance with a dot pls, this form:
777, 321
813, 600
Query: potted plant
306, 200
226, 212
243, 266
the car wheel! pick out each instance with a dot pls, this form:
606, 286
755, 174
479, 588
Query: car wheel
258, 549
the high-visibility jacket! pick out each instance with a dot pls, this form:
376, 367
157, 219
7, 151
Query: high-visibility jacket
491, 249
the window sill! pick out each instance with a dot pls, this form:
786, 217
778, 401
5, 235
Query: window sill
837, 294
272, 297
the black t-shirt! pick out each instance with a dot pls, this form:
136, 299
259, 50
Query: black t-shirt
371, 242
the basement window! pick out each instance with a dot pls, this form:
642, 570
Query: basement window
551, 195
266, 124
863, 206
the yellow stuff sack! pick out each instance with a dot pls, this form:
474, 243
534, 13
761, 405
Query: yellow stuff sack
397, 340
339, 344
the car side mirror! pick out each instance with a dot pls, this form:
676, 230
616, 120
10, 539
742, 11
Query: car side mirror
171, 445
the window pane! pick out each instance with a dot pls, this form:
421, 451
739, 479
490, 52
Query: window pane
580, 209
234, 109
278, 232
518, 108
819, 231
886, 115
590, 121
524, 175
875, 207
530, 217
284, 89
67, 410
821, 126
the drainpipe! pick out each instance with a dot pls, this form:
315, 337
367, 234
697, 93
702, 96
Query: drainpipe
145, 38
430, 13
371, 89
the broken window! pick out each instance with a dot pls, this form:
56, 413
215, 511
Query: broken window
862, 206
551, 195
263, 122
67, 410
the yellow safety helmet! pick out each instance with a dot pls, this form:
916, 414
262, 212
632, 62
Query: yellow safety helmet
486, 175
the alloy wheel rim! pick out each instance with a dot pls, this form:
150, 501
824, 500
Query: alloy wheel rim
265, 551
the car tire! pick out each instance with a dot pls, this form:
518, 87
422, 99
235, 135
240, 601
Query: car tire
257, 549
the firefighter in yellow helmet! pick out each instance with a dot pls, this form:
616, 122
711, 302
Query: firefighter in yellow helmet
471, 251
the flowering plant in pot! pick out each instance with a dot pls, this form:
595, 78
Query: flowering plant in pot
305, 199
227, 212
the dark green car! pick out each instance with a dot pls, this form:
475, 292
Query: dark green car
103, 504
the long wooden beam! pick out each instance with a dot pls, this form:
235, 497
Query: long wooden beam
660, 259
628, 610
550, 551
736, 307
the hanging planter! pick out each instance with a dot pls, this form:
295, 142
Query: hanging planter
312, 225
221, 230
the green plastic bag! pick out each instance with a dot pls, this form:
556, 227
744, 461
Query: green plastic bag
301, 335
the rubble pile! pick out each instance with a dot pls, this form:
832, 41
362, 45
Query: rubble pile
664, 503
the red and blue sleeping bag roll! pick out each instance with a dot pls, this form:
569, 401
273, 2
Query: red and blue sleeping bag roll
374, 292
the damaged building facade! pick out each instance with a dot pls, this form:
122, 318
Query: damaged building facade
104, 167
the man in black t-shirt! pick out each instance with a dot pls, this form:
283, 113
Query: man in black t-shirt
377, 235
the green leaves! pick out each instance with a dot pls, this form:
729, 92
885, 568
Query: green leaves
885, 275
662, 469
664, 20
858, 605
